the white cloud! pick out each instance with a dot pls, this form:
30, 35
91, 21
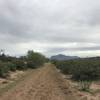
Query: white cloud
50, 26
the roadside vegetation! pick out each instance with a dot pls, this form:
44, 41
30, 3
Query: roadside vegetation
85, 71
30, 61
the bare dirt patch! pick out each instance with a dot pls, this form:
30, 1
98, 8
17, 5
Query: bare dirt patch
13, 76
94, 93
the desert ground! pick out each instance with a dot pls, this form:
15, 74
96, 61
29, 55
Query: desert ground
45, 83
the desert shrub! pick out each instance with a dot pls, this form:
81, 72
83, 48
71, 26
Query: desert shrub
31, 60
66, 67
84, 70
35, 59
4, 70
12, 66
80, 69
30, 64
84, 85
20, 65
6, 58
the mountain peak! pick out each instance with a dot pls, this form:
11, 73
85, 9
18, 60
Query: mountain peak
61, 57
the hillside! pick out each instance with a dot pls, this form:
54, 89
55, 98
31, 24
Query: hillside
61, 57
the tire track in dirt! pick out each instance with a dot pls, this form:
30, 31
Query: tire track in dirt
44, 83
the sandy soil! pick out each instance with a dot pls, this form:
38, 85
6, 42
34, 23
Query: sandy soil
74, 86
13, 76
46, 83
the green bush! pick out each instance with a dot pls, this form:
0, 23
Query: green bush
4, 70
31, 60
30, 64
81, 70
12, 66
84, 71
20, 65
35, 58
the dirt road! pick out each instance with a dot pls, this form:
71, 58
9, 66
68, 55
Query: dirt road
45, 83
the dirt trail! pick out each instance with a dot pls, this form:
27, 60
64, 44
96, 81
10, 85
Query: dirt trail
45, 83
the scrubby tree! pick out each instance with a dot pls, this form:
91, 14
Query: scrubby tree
35, 59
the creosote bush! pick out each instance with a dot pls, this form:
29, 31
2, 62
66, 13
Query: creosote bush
31, 60
12, 66
4, 70
20, 65
83, 70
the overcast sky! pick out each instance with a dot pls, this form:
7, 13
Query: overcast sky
70, 27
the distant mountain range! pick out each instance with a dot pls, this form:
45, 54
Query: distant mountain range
62, 57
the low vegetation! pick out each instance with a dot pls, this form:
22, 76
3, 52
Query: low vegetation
31, 60
82, 70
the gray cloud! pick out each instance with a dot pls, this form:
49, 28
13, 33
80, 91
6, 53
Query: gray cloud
32, 23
